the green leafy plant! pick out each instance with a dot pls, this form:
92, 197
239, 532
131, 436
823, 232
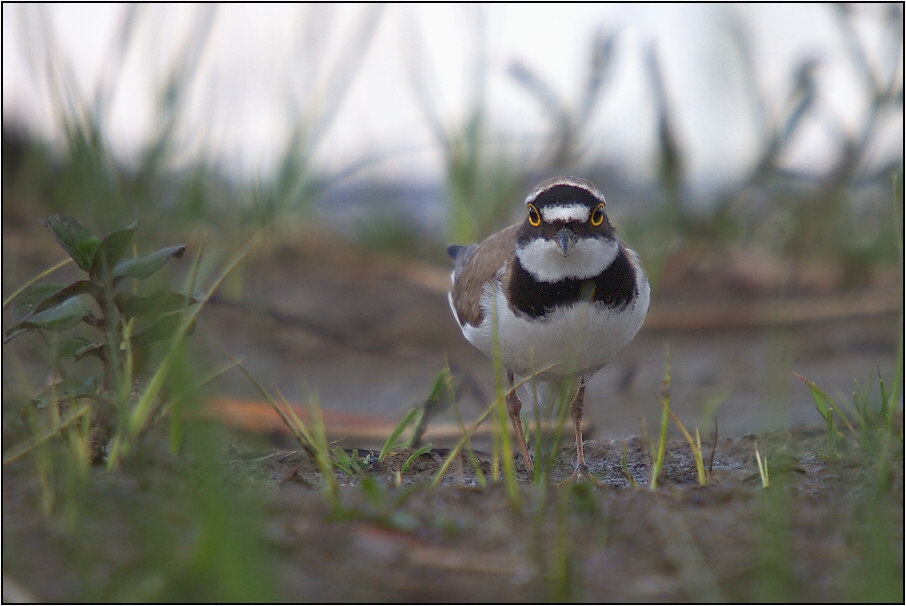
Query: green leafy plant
61, 307
871, 425
122, 321
350, 463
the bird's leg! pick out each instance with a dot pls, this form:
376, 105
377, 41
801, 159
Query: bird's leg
576, 408
514, 407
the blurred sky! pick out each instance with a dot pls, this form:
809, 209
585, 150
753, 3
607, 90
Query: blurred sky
252, 72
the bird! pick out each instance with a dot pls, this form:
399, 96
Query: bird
556, 295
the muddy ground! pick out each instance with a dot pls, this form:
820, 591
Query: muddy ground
370, 333
818, 534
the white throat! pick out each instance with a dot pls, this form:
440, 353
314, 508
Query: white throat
588, 258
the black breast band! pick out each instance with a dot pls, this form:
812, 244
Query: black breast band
614, 288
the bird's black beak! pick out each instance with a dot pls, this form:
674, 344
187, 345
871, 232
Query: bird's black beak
566, 238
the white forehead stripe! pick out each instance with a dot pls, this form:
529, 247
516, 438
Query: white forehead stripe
569, 212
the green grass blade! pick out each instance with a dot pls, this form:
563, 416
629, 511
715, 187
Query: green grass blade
762, 468
456, 449
301, 429
476, 466
481, 419
624, 469
424, 449
443, 383
695, 445
391, 441
142, 410
344, 462
662, 442
322, 452
16, 452
501, 426
294, 424
41, 275
819, 394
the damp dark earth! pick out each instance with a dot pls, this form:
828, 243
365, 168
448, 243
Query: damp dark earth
778, 505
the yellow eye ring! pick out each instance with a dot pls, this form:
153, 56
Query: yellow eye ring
597, 217
534, 218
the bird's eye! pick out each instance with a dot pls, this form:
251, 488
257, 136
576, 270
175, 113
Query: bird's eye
597, 217
534, 218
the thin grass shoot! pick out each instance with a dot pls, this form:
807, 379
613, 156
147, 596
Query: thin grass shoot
454, 452
763, 471
473, 460
624, 469
392, 441
501, 426
423, 450
658, 459
695, 445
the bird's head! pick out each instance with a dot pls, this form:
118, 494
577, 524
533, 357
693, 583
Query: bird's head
566, 233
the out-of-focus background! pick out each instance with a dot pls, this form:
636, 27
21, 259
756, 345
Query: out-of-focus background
752, 155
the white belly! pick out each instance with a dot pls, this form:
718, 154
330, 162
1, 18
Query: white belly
576, 340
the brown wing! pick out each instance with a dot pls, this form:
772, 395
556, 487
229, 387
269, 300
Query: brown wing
479, 269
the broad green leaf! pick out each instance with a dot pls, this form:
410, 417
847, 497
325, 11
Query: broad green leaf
159, 302
12, 333
160, 329
110, 251
82, 287
77, 387
143, 267
27, 300
75, 238
64, 316
35, 280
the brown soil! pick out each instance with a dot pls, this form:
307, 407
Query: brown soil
396, 540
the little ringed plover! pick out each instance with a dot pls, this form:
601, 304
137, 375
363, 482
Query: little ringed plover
561, 290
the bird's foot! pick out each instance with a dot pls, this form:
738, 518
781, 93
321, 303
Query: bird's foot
525, 465
580, 475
